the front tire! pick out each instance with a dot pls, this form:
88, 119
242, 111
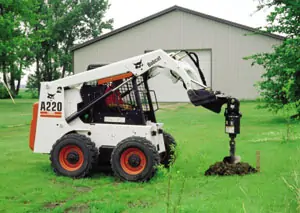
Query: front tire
73, 155
135, 159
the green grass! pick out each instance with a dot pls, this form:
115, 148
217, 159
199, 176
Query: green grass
24, 94
27, 183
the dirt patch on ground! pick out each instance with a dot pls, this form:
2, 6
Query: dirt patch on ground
53, 205
80, 209
139, 203
16, 125
25, 114
83, 188
225, 169
171, 106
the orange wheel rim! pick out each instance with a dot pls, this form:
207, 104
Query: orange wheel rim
71, 157
133, 161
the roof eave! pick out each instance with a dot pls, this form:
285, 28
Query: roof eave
171, 9
126, 27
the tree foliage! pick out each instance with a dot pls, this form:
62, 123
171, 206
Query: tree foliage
41, 32
280, 84
59, 24
15, 55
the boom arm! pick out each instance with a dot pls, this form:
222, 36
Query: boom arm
155, 62
138, 65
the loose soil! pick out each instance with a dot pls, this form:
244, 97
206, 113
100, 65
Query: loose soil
225, 169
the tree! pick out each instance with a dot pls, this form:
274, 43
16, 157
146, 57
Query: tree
15, 18
84, 21
59, 24
280, 83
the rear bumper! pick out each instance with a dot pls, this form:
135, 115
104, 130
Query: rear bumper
33, 125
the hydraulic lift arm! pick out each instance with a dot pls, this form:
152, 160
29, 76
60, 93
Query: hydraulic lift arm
214, 102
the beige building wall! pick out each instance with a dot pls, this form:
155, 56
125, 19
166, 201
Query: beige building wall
180, 30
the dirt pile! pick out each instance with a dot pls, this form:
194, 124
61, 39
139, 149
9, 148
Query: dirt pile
223, 169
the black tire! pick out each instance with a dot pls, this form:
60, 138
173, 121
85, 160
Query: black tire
145, 149
83, 152
168, 157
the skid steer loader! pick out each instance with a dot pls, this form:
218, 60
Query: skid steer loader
109, 112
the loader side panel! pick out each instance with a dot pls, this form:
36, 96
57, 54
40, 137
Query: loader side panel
33, 125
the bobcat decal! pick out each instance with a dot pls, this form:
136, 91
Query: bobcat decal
52, 96
138, 65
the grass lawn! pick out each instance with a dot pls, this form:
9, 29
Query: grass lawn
27, 183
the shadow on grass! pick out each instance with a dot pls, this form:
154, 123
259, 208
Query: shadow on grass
96, 174
277, 120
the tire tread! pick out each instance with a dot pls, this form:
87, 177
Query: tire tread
93, 153
147, 144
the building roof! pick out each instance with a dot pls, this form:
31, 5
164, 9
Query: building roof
168, 10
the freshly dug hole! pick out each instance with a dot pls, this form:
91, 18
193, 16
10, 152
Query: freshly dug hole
223, 169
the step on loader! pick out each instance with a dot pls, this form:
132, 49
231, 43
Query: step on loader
107, 114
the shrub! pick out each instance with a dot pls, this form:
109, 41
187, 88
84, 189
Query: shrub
3, 92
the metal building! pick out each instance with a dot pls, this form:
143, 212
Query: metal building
220, 44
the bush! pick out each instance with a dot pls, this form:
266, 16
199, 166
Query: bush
280, 83
3, 92
34, 93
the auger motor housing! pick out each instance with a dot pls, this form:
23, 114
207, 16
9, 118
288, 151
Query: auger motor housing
232, 127
232, 117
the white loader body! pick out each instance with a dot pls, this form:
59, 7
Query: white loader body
52, 124
57, 103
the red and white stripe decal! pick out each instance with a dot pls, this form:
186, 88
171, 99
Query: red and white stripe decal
47, 114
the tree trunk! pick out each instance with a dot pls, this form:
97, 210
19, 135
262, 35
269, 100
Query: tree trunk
63, 71
65, 64
19, 80
295, 117
46, 65
38, 77
4, 77
12, 86
12, 81
4, 72
18, 86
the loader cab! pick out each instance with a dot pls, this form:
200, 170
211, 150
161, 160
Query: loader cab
130, 103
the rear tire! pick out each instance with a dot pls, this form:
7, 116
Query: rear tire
135, 159
168, 157
73, 155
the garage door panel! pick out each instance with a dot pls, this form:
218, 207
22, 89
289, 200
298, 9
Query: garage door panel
167, 91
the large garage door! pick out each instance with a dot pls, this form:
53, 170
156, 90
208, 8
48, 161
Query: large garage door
166, 91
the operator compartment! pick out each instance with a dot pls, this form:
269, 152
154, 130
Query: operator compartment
126, 100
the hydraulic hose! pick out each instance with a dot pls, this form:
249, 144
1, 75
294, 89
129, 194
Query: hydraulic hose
196, 62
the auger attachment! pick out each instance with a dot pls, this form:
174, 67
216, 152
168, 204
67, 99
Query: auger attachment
232, 127
214, 102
